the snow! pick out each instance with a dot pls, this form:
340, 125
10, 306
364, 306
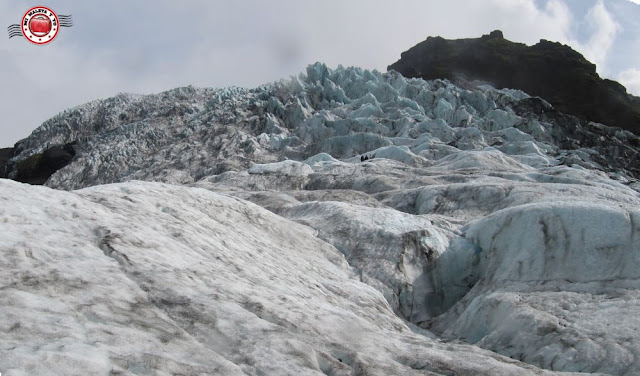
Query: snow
478, 238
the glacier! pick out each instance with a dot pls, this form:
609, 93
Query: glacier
239, 231
148, 278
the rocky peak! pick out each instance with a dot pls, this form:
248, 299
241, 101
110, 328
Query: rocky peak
550, 70
496, 34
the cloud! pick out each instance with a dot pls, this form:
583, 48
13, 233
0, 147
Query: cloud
630, 78
604, 30
524, 21
527, 21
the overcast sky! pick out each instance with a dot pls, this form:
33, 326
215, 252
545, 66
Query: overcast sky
149, 46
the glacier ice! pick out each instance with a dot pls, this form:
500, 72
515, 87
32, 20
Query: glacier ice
149, 278
568, 273
482, 222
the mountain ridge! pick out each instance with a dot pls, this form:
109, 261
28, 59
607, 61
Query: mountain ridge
550, 70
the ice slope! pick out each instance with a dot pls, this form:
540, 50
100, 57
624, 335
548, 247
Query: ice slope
482, 215
153, 279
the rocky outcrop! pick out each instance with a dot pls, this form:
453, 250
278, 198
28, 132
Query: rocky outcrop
38, 167
613, 149
5, 155
549, 70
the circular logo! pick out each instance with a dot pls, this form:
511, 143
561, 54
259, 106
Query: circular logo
40, 25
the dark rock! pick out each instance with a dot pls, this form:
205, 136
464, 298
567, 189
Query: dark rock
617, 150
549, 70
534, 105
5, 155
37, 168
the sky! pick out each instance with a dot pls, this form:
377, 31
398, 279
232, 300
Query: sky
146, 47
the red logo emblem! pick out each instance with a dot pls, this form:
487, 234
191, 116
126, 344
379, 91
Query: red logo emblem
40, 25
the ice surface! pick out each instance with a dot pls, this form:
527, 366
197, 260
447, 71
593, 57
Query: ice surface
477, 226
288, 168
557, 283
145, 278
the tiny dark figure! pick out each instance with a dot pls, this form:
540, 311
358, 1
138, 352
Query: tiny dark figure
366, 157
362, 158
